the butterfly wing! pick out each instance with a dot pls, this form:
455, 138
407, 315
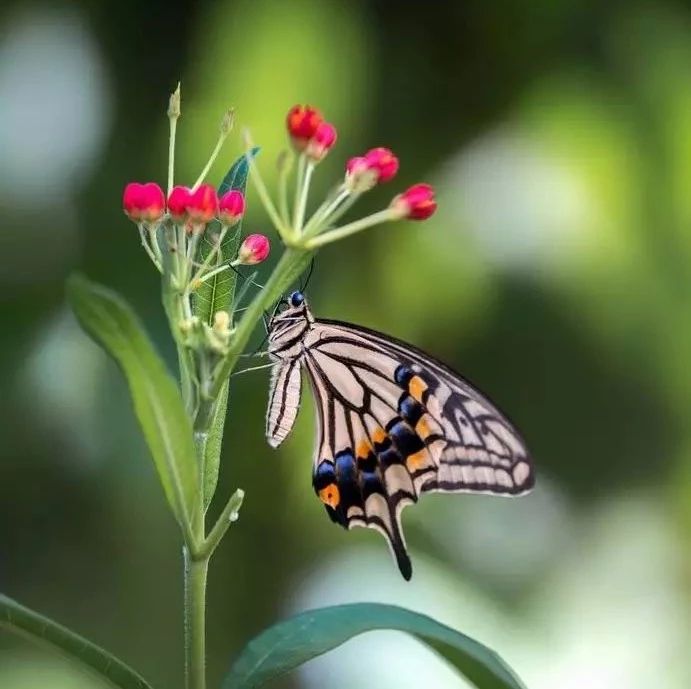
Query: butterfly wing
395, 423
284, 400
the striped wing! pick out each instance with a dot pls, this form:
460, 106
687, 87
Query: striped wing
284, 400
395, 423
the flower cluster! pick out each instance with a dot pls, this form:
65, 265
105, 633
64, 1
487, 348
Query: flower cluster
193, 210
183, 231
312, 138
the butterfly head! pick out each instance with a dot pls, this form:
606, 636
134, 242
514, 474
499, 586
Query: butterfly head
290, 321
296, 299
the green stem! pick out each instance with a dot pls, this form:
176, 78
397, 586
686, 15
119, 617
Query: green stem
302, 202
299, 183
227, 517
196, 571
351, 228
292, 263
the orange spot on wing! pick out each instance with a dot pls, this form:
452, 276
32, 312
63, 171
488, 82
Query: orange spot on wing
416, 388
422, 428
330, 495
378, 434
363, 449
417, 460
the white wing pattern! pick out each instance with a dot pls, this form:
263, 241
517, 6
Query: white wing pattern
394, 423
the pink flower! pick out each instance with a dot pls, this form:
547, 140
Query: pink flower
302, 122
143, 202
357, 165
415, 203
377, 165
254, 249
202, 205
231, 207
322, 142
178, 200
384, 162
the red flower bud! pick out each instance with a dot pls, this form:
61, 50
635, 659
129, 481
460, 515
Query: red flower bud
231, 207
384, 162
357, 165
364, 172
254, 249
302, 122
322, 142
202, 206
416, 202
143, 202
178, 200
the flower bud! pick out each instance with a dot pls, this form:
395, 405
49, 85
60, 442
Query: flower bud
221, 325
384, 162
322, 142
231, 207
254, 249
302, 122
364, 172
202, 206
143, 202
415, 203
178, 200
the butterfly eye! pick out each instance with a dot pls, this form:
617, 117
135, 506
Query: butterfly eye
297, 299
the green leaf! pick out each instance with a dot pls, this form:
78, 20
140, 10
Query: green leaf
157, 402
293, 642
212, 451
216, 294
16, 618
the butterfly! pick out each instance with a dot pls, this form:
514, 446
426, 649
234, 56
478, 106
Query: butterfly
392, 423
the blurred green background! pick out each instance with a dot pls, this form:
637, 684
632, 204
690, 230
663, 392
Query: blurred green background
556, 275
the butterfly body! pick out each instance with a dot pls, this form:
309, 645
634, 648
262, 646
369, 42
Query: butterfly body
393, 423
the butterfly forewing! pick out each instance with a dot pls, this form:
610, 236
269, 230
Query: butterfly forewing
393, 423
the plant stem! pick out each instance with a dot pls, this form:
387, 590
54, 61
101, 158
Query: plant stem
302, 202
290, 266
227, 517
196, 571
351, 228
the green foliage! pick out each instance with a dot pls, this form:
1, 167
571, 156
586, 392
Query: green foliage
216, 294
45, 632
157, 402
293, 642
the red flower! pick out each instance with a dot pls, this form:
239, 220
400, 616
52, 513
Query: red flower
202, 205
322, 142
302, 123
384, 162
231, 207
357, 165
254, 249
377, 165
416, 202
178, 200
143, 202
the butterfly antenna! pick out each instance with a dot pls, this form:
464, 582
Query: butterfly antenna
309, 275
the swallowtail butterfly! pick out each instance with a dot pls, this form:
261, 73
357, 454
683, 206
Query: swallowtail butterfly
393, 423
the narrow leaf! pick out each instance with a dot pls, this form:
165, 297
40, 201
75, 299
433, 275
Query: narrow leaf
216, 294
293, 642
16, 618
212, 451
157, 402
